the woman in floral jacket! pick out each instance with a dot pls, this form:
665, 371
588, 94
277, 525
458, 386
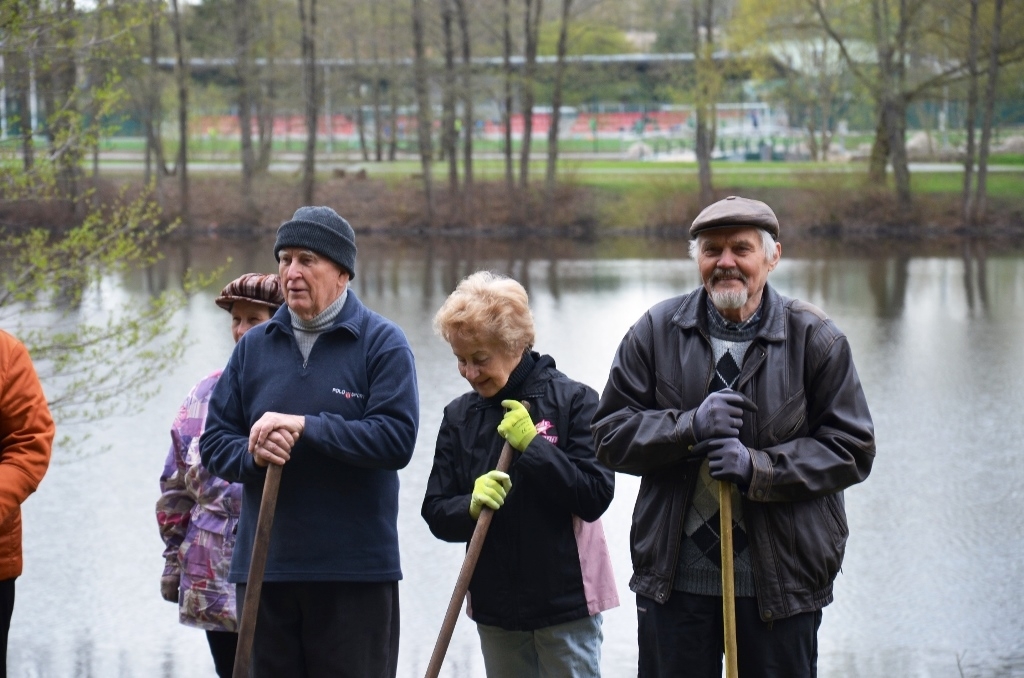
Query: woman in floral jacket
197, 511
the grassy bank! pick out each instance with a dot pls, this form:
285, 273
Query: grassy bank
594, 198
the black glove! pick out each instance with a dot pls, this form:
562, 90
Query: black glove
729, 460
721, 415
169, 587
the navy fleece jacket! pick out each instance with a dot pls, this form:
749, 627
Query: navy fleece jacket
337, 508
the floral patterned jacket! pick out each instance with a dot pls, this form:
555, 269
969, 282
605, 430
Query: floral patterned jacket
197, 513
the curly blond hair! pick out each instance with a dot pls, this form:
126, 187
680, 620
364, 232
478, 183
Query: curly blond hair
489, 308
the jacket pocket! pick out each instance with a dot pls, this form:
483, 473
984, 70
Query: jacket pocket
666, 393
835, 512
785, 423
814, 542
652, 524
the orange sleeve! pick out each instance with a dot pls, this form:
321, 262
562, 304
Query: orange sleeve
26, 427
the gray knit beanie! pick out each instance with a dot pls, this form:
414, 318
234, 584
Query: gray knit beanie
321, 230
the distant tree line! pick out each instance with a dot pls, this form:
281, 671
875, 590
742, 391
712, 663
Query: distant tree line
78, 64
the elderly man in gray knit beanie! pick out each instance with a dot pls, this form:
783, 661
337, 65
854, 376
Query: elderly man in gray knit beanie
323, 231
331, 387
316, 250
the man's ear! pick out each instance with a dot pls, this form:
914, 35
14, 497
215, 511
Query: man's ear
778, 255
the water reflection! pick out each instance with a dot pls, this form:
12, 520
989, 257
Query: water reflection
931, 581
975, 277
887, 280
429, 268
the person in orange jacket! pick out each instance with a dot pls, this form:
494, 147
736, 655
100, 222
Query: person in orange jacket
26, 436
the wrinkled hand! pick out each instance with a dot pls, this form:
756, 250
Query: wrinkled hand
169, 587
721, 415
272, 437
516, 427
729, 460
489, 490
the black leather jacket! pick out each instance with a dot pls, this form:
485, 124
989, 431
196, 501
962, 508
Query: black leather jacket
811, 437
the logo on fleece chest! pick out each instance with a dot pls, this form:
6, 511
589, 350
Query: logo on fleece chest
547, 431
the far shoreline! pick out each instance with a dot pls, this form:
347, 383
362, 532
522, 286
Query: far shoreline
812, 205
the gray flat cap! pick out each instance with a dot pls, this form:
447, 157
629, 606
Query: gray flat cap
736, 212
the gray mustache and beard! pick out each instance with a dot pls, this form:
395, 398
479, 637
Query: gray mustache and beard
728, 299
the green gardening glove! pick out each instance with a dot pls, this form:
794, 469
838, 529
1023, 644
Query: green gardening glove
489, 490
517, 427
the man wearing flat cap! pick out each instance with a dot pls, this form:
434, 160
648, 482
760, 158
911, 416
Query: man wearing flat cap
326, 388
734, 382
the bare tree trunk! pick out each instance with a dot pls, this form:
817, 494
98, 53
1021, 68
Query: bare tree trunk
879, 159
896, 116
181, 75
981, 196
42, 68
96, 75
531, 27
265, 101
244, 66
556, 98
891, 97
153, 110
449, 138
970, 121
422, 105
898, 112
506, 117
308, 22
704, 132
63, 108
812, 133
393, 84
378, 138
328, 111
357, 79
467, 97
361, 127
18, 74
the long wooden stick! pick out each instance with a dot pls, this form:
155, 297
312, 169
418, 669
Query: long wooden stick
254, 585
476, 544
728, 579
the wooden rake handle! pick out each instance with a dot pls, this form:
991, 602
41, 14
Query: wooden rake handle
476, 544
728, 579
254, 585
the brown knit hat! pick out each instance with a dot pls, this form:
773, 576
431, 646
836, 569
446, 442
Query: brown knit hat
733, 212
259, 288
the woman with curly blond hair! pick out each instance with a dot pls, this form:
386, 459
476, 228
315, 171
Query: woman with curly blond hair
544, 573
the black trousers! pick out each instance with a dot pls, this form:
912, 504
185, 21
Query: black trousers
683, 638
222, 646
329, 629
6, 609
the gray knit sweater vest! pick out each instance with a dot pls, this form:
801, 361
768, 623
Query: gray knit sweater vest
700, 557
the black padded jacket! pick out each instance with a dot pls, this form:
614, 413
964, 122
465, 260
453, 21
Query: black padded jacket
529, 573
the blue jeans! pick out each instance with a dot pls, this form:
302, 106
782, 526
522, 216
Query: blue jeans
569, 650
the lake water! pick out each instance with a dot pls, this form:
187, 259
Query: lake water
931, 585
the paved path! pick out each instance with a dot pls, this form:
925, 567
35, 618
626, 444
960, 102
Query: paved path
292, 163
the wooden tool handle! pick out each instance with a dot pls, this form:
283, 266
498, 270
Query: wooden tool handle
254, 585
476, 544
728, 579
